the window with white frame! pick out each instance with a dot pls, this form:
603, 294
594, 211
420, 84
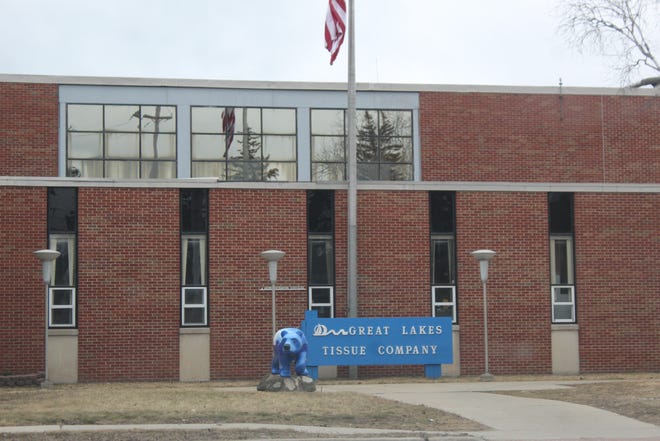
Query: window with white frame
443, 256
62, 223
121, 141
194, 260
320, 251
562, 266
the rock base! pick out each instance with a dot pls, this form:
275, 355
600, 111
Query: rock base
275, 383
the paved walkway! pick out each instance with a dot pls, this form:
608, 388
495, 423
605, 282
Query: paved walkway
514, 418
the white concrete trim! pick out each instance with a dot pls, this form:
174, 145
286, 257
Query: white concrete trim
200, 330
543, 187
62, 332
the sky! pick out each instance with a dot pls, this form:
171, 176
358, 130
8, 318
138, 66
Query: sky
480, 42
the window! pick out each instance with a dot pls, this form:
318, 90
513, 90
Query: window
443, 256
194, 260
320, 251
121, 141
62, 223
384, 145
244, 143
562, 268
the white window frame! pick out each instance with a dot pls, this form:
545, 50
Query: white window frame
185, 306
331, 304
52, 307
452, 303
556, 303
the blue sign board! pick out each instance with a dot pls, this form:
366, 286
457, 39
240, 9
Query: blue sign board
378, 341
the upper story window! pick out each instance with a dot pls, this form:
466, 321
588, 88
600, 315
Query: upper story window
244, 143
384, 145
121, 141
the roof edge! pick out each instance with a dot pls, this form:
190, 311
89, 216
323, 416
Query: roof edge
293, 85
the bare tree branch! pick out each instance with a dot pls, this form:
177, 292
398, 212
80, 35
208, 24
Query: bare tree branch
617, 28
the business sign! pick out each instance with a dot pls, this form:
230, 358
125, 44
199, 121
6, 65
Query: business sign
377, 341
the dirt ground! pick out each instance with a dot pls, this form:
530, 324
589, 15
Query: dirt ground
636, 396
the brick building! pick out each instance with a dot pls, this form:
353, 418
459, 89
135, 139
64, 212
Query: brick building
161, 194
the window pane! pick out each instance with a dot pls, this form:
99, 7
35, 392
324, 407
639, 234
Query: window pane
563, 295
444, 311
395, 123
194, 261
442, 211
61, 317
62, 297
367, 172
207, 147
320, 211
194, 316
328, 172
327, 122
562, 264
158, 169
280, 171
560, 212
194, 296
245, 171
563, 312
247, 120
395, 172
396, 150
158, 146
122, 169
194, 210
252, 150
84, 117
279, 148
122, 118
85, 145
321, 295
158, 119
86, 169
63, 274
62, 209
122, 145
321, 262
209, 169
443, 261
443, 295
279, 121
327, 148
206, 119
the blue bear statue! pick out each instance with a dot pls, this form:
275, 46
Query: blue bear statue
289, 345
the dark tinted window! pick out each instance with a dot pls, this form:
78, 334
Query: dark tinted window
62, 210
194, 210
560, 212
442, 211
320, 211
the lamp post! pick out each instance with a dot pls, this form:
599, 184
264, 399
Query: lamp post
484, 256
273, 256
47, 257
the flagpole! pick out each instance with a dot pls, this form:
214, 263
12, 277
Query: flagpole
352, 175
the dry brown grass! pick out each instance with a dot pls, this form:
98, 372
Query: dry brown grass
141, 403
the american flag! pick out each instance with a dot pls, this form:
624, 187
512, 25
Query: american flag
228, 121
335, 27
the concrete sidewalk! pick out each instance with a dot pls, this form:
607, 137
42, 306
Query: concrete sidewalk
514, 418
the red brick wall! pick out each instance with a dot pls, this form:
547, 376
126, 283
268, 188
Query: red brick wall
243, 223
539, 138
515, 225
617, 241
28, 129
22, 292
128, 288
